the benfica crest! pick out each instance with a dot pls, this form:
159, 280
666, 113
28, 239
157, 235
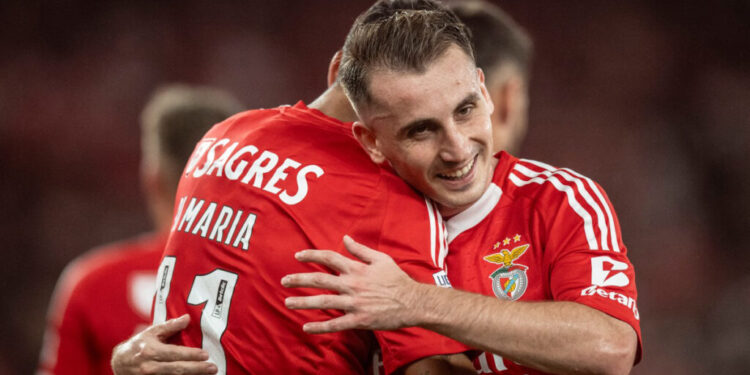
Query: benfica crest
509, 281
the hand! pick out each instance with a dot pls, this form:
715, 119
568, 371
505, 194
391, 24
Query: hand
147, 353
374, 293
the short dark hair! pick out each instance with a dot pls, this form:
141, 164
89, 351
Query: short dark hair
399, 35
175, 119
497, 38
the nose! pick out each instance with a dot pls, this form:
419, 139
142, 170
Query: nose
455, 144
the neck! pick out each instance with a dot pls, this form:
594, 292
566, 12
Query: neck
333, 103
448, 212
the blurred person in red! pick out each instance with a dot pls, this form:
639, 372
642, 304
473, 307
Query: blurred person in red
503, 50
105, 295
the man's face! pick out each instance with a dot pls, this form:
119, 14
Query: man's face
434, 128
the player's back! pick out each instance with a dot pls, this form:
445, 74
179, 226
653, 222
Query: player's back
101, 299
259, 187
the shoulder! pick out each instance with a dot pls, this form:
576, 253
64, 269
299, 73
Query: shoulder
562, 195
401, 199
251, 118
97, 268
281, 117
104, 262
544, 183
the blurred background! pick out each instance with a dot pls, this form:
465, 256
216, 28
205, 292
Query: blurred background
649, 98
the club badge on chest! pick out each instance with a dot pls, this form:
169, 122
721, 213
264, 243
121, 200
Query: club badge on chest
509, 282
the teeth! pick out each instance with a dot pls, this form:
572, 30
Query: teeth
459, 173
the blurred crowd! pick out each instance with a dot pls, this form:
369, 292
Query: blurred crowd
651, 99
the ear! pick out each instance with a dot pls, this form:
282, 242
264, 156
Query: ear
153, 184
149, 178
507, 97
333, 67
366, 137
485, 93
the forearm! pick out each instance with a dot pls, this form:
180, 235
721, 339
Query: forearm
556, 337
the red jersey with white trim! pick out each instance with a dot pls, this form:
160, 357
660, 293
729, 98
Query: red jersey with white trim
542, 233
101, 299
259, 187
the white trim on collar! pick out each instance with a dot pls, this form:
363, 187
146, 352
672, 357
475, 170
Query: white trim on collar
475, 213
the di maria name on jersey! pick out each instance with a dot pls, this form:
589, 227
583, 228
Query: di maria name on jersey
248, 165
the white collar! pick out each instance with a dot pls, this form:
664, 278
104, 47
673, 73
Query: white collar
471, 216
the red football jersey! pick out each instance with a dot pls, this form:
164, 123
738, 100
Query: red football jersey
259, 187
542, 233
100, 300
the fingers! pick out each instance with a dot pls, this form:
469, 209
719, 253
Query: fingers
323, 301
192, 368
165, 330
318, 280
360, 251
172, 353
161, 352
331, 259
334, 325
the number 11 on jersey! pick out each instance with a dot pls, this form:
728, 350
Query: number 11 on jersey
163, 282
215, 290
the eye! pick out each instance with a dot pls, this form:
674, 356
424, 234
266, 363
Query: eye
465, 110
418, 130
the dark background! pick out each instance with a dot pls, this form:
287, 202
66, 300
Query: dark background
650, 98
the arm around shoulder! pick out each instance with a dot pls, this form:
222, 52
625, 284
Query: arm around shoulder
552, 336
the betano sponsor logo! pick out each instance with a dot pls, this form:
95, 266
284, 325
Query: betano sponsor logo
603, 275
620, 298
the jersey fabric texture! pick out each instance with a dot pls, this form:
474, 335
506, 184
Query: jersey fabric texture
101, 299
259, 187
542, 233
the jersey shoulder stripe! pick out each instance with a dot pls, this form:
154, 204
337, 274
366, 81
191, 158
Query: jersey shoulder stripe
583, 195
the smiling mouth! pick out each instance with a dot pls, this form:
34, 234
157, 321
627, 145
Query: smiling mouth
460, 173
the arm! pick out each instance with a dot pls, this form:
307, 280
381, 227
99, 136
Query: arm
557, 337
147, 353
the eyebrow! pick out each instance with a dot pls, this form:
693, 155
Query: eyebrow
404, 132
470, 98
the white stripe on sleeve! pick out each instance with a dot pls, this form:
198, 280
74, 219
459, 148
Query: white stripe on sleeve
572, 201
597, 191
581, 190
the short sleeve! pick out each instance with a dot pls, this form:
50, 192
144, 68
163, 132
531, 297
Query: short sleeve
586, 256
